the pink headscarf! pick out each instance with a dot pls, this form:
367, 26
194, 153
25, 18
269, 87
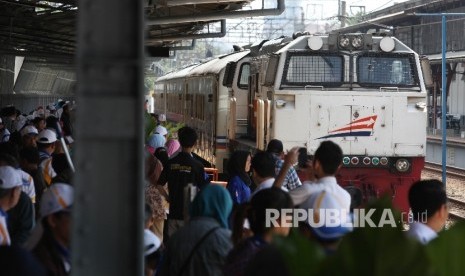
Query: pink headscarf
172, 146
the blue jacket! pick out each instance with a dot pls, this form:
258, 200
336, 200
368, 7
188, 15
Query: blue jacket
239, 191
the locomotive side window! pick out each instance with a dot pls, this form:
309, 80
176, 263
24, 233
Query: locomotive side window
244, 74
303, 69
383, 70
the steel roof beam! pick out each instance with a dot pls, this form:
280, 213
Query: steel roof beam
217, 15
222, 33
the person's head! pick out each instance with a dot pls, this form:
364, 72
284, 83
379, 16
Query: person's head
51, 122
256, 213
9, 154
172, 147
161, 130
156, 141
39, 123
187, 137
55, 212
29, 135
275, 146
263, 166
46, 140
151, 252
162, 118
212, 201
10, 187
324, 204
327, 159
239, 164
162, 154
428, 199
29, 158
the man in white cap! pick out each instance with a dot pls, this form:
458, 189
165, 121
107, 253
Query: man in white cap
161, 130
29, 134
10, 190
46, 145
53, 249
328, 220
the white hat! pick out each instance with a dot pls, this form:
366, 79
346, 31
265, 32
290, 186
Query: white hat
322, 203
151, 242
51, 107
29, 130
58, 197
9, 177
161, 130
46, 136
162, 117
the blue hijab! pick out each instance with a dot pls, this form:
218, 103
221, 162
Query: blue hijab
156, 141
213, 201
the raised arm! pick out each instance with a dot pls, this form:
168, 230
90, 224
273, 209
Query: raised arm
289, 160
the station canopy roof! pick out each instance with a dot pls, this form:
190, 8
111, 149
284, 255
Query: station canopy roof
49, 28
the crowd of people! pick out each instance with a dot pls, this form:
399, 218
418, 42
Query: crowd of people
35, 188
222, 231
192, 226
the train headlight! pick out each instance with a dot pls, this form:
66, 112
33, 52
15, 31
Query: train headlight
387, 44
346, 160
402, 165
375, 161
384, 161
357, 42
366, 161
344, 41
315, 43
354, 160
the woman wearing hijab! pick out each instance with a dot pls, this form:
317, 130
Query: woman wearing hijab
201, 246
239, 180
156, 141
173, 146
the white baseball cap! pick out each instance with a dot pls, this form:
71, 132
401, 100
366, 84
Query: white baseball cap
161, 130
151, 242
31, 130
162, 117
321, 203
46, 136
9, 177
58, 197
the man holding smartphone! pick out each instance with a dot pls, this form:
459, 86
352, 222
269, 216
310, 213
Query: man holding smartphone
291, 181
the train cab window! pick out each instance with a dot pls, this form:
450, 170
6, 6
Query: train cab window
244, 73
302, 69
384, 70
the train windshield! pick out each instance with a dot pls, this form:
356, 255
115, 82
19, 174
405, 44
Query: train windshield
376, 70
303, 69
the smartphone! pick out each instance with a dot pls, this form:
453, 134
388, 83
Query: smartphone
303, 158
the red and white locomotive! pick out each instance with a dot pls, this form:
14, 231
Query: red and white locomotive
366, 93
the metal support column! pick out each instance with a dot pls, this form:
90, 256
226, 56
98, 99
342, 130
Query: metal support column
108, 210
444, 86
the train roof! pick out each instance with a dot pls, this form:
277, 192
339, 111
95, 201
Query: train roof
216, 65
179, 73
213, 66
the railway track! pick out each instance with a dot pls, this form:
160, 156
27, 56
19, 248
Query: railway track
457, 209
451, 171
